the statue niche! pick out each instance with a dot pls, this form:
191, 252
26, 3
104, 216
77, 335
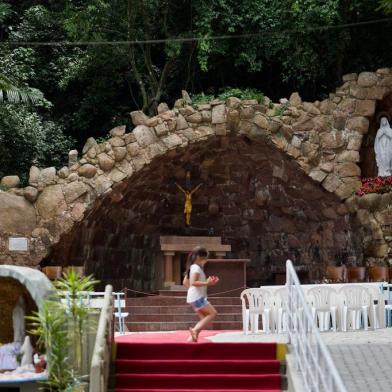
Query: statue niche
383, 148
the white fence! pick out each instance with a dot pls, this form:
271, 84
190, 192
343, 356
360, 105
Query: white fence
312, 357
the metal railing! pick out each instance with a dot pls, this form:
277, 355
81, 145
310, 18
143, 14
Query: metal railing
311, 356
100, 362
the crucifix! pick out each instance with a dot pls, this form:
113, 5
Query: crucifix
188, 192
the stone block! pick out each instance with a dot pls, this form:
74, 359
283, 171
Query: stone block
105, 162
117, 141
365, 107
358, 124
181, 122
119, 153
74, 190
31, 194
367, 79
172, 141
233, 102
10, 181
144, 135
138, 118
118, 131
51, 202
87, 170
90, 142
218, 114
350, 77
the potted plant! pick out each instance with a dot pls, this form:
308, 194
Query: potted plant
379, 273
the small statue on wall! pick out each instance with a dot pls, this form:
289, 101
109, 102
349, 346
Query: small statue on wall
383, 148
188, 202
18, 320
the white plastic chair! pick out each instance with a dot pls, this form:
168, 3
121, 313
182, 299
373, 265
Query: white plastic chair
280, 316
261, 306
357, 301
323, 309
246, 298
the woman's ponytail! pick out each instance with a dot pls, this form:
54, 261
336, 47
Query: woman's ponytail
192, 256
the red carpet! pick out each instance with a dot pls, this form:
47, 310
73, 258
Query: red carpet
165, 362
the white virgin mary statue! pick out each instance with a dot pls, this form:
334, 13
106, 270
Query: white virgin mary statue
383, 148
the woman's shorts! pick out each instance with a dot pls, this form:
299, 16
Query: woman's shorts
199, 303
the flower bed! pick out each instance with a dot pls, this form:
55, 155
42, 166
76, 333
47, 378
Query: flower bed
375, 185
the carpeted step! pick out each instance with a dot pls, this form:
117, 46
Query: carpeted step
201, 366
176, 317
193, 390
139, 326
197, 351
178, 309
223, 381
159, 300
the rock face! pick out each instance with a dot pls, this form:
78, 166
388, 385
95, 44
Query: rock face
17, 215
322, 139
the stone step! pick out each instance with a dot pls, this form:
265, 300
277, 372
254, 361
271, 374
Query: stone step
175, 326
172, 300
192, 318
178, 309
173, 293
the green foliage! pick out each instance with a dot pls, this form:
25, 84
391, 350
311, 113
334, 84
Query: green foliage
93, 88
60, 327
386, 6
279, 110
248, 93
27, 139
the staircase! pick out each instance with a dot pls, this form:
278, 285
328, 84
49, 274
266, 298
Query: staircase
198, 367
170, 312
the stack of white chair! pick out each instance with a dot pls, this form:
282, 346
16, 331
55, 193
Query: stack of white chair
280, 314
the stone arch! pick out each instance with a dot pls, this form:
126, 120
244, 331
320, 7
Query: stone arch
36, 283
323, 138
255, 197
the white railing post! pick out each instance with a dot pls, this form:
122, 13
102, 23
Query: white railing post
311, 356
99, 372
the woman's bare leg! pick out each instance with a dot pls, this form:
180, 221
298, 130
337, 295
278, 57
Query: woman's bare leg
209, 313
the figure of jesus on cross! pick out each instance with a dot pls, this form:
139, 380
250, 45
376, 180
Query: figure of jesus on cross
188, 192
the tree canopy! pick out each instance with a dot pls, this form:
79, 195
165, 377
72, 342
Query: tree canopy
94, 61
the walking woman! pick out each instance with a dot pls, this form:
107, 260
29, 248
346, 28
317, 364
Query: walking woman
196, 282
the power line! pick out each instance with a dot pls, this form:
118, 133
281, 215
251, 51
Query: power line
193, 39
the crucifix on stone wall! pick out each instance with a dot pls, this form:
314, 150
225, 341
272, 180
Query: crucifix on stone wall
188, 192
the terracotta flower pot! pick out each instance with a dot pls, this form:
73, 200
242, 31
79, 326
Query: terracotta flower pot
378, 274
336, 274
52, 272
356, 274
79, 270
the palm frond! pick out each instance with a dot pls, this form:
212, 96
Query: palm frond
11, 93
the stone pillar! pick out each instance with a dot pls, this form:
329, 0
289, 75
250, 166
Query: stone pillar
169, 278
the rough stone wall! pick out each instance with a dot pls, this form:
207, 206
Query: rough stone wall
252, 195
324, 138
